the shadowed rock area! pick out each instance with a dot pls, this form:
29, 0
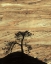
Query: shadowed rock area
20, 58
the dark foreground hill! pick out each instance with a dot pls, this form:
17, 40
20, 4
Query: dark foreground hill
19, 58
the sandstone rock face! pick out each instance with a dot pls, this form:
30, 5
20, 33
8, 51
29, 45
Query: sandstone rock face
31, 15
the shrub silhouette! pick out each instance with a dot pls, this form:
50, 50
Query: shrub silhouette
20, 36
29, 47
9, 46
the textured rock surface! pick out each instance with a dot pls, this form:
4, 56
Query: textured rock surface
31, 15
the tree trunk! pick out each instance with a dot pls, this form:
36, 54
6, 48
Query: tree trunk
22, 45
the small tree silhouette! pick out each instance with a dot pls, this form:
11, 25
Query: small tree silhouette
20, 36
